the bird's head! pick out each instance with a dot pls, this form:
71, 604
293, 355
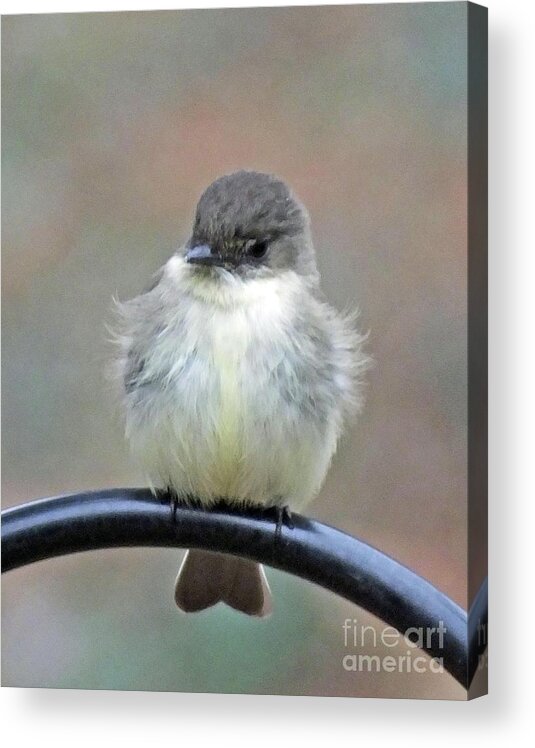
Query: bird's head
250, 225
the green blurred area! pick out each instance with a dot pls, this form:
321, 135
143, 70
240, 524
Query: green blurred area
112, 126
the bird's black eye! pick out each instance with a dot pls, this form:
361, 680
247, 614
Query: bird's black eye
257, 249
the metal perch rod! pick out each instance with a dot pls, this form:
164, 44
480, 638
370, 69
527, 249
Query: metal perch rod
311, 550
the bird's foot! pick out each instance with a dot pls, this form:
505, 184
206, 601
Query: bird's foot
173, 504
283, 518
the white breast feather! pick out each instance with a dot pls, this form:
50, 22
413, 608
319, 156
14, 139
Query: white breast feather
216, 430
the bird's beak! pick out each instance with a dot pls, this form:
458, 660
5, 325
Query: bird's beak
203, 254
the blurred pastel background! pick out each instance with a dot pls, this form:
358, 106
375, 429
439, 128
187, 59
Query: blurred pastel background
112, 126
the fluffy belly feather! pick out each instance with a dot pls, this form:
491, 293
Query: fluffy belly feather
229, 350
223, 425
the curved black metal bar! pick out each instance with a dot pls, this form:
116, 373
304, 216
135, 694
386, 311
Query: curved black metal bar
477, 628
318, 553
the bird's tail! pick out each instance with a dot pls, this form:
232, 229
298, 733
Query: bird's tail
206, 578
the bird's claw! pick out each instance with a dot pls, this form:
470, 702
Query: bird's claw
173, 502
284, 517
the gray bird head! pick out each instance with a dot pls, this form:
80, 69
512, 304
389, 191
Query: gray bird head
250, 225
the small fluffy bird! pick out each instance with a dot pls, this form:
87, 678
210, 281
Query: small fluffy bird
236, 375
